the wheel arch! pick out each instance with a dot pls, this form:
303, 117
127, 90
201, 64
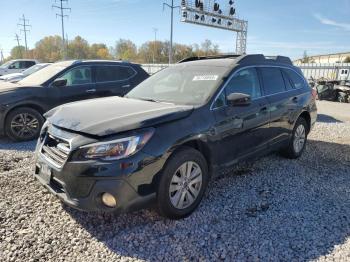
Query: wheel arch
306, 115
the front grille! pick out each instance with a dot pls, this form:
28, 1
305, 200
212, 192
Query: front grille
56, 150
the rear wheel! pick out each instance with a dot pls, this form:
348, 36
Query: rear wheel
297, 143
23, 124
183, 183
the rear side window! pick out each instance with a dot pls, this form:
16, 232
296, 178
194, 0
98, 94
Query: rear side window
296, 80
113, 73
273, 80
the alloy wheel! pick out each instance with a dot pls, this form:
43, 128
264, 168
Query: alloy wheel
299, 138
185, 185
24, 125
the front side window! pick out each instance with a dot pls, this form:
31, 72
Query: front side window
78, 76
273, 80
113, 73
297, 80
181, 84
246, 82
15, 65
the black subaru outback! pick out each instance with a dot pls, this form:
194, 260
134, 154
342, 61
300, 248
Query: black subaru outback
164, 141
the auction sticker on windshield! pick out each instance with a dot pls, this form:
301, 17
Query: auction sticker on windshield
205, 78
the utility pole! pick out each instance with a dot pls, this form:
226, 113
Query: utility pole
155, 30
172, 7
25, 30
18, 45
62, 15
2, 56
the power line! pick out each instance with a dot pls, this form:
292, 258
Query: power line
18, 45
62, 15
172, 7
25, 24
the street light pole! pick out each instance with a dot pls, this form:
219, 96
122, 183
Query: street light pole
155, 44
172, 7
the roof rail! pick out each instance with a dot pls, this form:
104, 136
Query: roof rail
250, 59
196, 58
243, 59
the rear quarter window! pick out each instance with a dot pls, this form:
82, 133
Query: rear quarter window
296, 80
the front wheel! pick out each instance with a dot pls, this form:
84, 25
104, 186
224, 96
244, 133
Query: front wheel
297, 143
342, 97
183, 183
23, 124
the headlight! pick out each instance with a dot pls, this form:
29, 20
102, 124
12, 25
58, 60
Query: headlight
117, 149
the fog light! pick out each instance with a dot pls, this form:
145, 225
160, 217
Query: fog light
109, 200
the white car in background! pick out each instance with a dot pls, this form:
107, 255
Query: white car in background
16, 66
15, 77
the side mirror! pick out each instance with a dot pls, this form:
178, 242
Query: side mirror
11, 67
59, 82
239, 99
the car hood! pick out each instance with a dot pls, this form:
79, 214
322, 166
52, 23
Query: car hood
8, 86
108, 116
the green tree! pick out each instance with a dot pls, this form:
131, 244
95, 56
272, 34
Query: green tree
78, 48
17, 52
99, 51
347, 59
125, 50
48, 49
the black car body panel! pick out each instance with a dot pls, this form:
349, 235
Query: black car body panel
45, 96
224, 134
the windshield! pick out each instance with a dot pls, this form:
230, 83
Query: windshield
41, 76
6, 64
181, 84
32, 69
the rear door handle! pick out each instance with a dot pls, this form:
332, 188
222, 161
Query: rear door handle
91, 91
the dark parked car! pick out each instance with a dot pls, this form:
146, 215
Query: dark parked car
23, 104
166, 138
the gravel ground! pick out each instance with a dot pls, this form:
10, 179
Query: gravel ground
273, 209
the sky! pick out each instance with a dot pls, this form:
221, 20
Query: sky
276, 27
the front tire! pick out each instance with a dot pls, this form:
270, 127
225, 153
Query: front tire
23, 124
182, 184
297, 143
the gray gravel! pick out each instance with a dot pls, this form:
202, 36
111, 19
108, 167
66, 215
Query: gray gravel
272, 209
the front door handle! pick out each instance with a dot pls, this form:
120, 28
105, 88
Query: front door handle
125, 86
295, 99
91, 91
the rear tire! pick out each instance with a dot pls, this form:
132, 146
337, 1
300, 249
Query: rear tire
297, 143
182, 184
23, 124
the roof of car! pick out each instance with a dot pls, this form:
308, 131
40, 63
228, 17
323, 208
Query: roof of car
231, 60
71, 62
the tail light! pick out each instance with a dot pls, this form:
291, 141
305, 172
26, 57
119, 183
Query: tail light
314, 93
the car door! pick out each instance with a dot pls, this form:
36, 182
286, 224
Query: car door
283, 100
80, 85
241, 131
113, 80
